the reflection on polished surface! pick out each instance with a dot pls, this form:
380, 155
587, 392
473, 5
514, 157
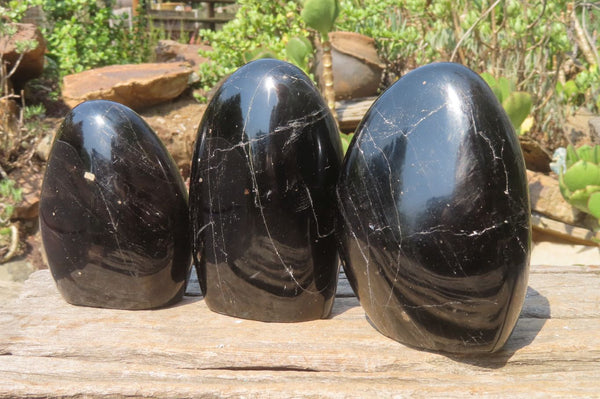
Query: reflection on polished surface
113, 212
434, 227
262, 196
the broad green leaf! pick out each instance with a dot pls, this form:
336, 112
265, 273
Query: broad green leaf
581, 175
493, 83
518, 106
572, 156
346, 139
489, 79
258, 53
579, 199
585, 152
594, 205
505, 88
570, 89
320, 15
297, 51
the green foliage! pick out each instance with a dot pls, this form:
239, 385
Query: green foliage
583, 89
320, 15
34, 111
526, 41
9, 196
21, 46
517, 104
258, 26
83, 34
398, 34
299, 51
580, 182
346, 139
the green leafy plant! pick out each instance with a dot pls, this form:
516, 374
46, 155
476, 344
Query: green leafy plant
83, 34
346, 139
320, 15
21, 47
9, 196
12, 135
583, 89
9, 234
34, 111
579, 181
530, 42
517, 104
299, 50
258, 26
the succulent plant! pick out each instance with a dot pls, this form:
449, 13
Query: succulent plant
346, 139
579, 181
298, 50
517, 104
320, 15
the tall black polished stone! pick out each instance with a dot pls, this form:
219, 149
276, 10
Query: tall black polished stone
262, 196
114, 212
434, 229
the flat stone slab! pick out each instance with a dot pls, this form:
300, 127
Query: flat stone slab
137, 86
51, 349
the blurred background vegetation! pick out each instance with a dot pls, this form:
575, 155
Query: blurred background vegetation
546, 48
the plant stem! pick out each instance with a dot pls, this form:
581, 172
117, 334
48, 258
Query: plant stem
329, 91
468, 32
582, 39
14, 243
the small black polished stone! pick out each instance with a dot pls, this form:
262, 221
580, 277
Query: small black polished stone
262, 196
114, 212
434, 228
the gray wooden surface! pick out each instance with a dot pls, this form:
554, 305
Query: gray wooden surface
51, 349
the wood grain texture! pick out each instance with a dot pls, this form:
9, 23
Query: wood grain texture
563, 231
51, 349
351, 112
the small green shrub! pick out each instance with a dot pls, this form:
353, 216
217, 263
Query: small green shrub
528, 42
579, 180
9, 196
517, 104
9, 234
259, 26
79, 34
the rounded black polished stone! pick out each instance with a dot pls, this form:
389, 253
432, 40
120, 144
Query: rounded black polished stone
114, 212
262, 196
434, 229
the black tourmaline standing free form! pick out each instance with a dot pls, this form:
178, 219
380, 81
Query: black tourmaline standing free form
434, 228
262, 196
113, 212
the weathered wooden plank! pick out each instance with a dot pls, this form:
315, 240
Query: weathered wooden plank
63, 377
569, 233
351, 112
50, 348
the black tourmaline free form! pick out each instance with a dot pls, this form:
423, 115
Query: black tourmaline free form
262, 196
434, 226
113, 212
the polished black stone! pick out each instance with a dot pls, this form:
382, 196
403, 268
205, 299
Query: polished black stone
113, 212
262, 196
434, 228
